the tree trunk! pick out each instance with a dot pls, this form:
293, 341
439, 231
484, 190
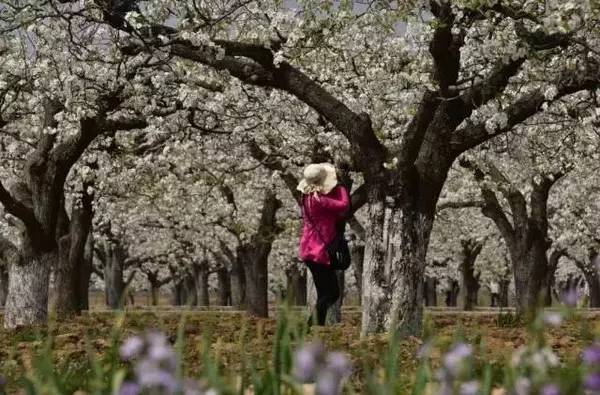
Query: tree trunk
178, 293
430, 291
27, 301
3, 285
224, 292
530, 270
70, 270
549, 281
452, 293
190, 292
591, 273
548, 285
9, 255
503, 295
296, 284
201, 273
154, 291
257, 285
85, 274
593, 281
113, 276
238, 282
257, 253
62, 296
471, 249
357, 254
396, 246
526, 235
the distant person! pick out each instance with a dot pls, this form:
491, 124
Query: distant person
324, 205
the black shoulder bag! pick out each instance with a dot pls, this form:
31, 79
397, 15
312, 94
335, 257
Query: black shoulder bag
337, 249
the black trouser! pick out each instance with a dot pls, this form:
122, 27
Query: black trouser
328, 290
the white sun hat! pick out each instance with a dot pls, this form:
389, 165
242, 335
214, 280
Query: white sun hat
318, 177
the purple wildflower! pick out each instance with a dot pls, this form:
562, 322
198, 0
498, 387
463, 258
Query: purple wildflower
454, 359
156, 339
425, 350
132, 348
307, 361
550, 389
553, 319
592, 382
150, 375
571, 297
163, 354
591, 355
522, 386
129, 388
339, 364
469, 388
328, 384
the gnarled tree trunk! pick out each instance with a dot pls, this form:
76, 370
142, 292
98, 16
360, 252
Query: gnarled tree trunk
470, 251
238, 281
179, 297
85, 274
3, 285
201, 273
296, 278
257, 253
224, 291
430, 291
452, 293
71, 270
114, 268
526, 236
28, 282
591, 272
396, 247
155, 284
44, 177
190, 293
154, 293
357, 254
503, 296
549, 282
9, 255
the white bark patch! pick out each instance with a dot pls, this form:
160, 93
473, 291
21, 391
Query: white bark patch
375, 298
27, 302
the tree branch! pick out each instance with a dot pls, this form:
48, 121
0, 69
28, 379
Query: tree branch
515, 198
253, 64
539, 197
491, 207
458, 205
570, 81
24, 213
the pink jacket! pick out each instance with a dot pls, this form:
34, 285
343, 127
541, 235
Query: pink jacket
321, 212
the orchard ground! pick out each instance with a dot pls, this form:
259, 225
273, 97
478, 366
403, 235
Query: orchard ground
233, 338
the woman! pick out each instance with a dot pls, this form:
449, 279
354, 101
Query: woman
324, 204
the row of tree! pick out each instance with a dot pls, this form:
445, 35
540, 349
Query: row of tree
195, 118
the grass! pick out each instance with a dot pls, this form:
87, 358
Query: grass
233, 338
